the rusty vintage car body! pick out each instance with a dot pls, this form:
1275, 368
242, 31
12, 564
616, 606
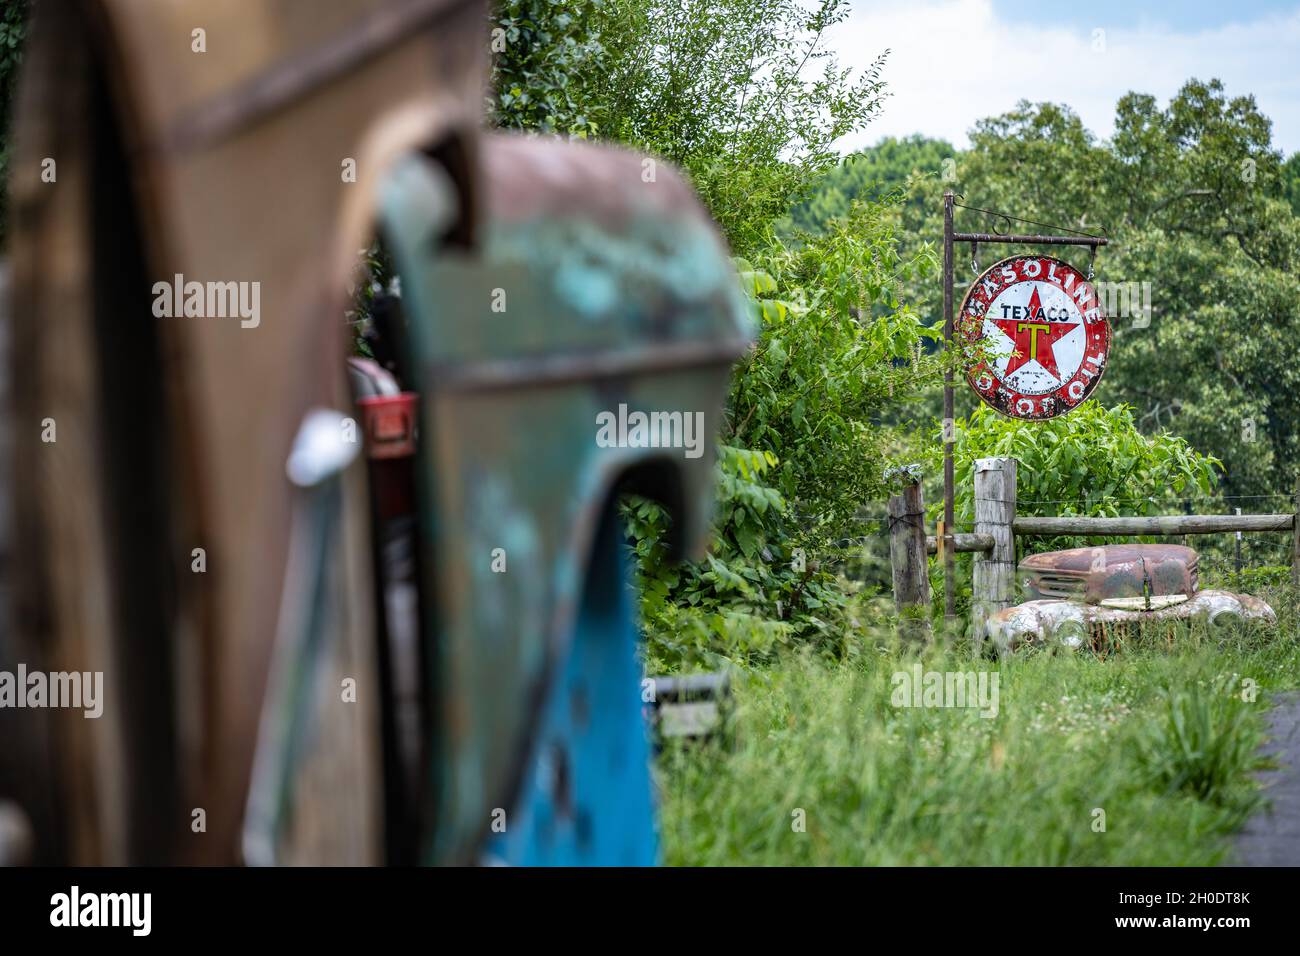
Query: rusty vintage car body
1093, 596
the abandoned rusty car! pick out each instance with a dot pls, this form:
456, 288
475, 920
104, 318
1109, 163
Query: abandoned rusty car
1096, 596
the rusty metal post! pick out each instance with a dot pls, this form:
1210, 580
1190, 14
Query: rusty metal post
949, 586
907, 555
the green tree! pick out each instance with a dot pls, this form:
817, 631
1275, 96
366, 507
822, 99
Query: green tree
890, 164
741, 94
1195, 201
1291, 182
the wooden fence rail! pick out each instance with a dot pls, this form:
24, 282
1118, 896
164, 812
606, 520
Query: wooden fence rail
961, 543
996, 527
1164, 525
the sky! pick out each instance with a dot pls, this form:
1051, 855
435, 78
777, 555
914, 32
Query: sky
1085, 54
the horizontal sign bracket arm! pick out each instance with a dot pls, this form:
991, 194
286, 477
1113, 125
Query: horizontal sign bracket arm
977, 237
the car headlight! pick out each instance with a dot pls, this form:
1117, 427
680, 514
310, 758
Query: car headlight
1071, 634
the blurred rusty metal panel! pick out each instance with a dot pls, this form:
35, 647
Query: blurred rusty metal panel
106, 85
6, 461
623, 284
285, 81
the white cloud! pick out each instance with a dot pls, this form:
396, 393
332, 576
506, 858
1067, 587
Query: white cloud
955, 61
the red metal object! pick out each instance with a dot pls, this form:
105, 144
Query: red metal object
389, 424
390, 435
1041, 335
1095, 574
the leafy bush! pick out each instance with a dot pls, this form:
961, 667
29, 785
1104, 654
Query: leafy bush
726, 606
545, 53
837, 348
800, 455
1093, 462
1272, 577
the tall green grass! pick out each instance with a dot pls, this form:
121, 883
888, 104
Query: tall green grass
1158, 743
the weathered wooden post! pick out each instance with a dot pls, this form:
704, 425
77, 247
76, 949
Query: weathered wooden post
1295, 537
993, 584
907, 555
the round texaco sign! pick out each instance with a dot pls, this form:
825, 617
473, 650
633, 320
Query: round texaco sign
1040, 333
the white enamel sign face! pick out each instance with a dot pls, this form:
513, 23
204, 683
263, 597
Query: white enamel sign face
1042, 337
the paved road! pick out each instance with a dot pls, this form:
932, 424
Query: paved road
1272, 837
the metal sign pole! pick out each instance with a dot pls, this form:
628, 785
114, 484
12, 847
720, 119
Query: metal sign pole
946, 542
944, 535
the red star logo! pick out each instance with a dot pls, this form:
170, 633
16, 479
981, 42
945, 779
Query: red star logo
1033, 337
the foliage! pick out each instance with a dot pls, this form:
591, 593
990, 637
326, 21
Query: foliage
889, 165
837, 347
1291, 182
13, 31
547, 56
1194, 198
1250, 580
373, 275
924, 168
741, 94
1094, 461
1197, 203
725, 607
801, 454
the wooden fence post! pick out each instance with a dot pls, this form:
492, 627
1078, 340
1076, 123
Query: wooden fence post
1295, 538
993, 584
907, 555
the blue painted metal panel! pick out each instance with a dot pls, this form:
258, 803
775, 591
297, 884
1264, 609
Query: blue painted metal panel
586, 798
